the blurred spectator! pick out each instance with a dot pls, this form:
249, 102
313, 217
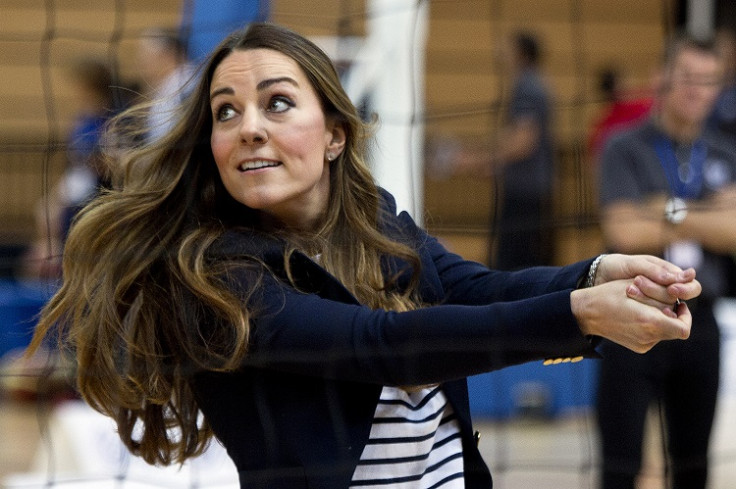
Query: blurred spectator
96, 96
623, 107
524, 159
723, 116
166, 76
668, 187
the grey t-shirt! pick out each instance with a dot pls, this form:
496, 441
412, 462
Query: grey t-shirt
631, 168
533, 175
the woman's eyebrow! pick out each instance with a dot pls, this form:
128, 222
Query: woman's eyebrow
261, 86
222, 91
273, 81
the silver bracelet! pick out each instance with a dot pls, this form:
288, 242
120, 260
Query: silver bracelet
592, 271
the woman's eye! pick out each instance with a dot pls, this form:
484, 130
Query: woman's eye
224, 113
279, 104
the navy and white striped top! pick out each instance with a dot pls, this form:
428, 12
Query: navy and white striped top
414, 443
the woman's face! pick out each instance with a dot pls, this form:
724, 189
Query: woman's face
270, 138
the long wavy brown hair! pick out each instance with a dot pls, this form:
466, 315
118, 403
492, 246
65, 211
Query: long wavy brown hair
137, 281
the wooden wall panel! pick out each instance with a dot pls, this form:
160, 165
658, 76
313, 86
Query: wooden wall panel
464, 84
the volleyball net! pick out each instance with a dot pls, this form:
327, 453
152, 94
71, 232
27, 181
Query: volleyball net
440, 87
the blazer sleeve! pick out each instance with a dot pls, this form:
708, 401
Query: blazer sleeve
461, 281
304, 333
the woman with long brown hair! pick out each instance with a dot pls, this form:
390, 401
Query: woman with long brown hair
247, 278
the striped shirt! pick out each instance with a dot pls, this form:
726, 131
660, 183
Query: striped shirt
414, 443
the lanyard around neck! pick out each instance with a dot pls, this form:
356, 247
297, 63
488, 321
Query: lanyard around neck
684, 177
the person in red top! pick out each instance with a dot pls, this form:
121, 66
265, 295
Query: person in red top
623, 109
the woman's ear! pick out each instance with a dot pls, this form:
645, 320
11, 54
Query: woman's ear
337, 141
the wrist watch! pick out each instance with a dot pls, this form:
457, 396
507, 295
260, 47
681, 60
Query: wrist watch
675, 210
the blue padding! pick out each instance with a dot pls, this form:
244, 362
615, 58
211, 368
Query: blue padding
533, 389
19, 306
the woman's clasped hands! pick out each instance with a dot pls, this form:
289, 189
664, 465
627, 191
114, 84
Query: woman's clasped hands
636, 301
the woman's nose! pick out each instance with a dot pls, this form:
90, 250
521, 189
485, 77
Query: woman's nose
252, 129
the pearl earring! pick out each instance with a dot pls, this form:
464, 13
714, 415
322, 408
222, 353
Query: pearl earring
330, 156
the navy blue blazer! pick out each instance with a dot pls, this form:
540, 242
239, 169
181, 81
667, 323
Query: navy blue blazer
298, 412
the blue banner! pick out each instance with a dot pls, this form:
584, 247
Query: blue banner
206, 22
